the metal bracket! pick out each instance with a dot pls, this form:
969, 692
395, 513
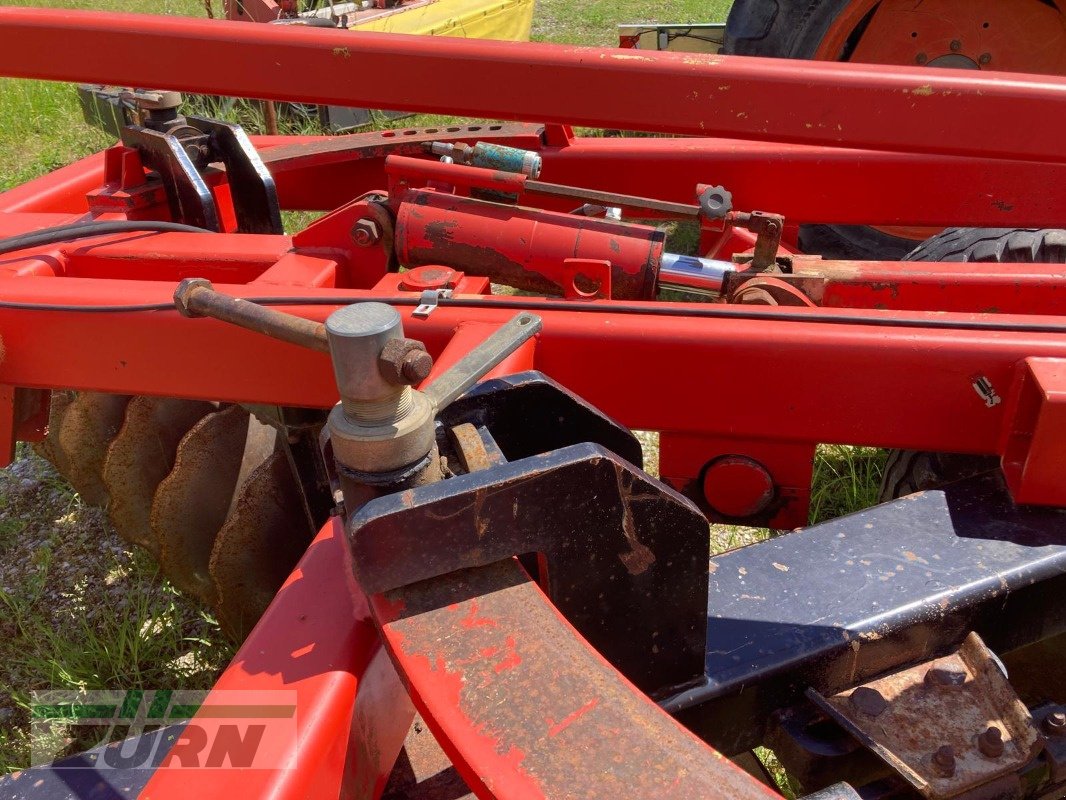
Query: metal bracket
629, 571
255, 197
945, 726
178, 161
188, 195
427, 303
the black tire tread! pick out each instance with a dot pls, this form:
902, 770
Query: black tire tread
910, 471
994, 245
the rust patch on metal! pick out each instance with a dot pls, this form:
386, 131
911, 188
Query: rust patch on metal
141, 456
471, 449
82, 435
526, 703
934, 727
263, 537
640, 557
194, 500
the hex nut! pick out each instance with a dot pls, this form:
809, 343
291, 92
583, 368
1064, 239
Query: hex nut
366, 232
404, 362
184, 293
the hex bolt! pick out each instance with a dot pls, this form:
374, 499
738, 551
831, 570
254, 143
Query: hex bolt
417, 366
404, 362
1055, 723
944, 760
365, 232
956, 46
986, 58
991, 742
869, 701
921, 58
946, 677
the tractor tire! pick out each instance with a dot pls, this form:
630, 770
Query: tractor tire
780, 28
1014, 35
909, 471
206, 488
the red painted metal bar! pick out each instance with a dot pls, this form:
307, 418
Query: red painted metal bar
571, 725
818, 184
844, 382
943, 286
804, 183
943, 111
317, 640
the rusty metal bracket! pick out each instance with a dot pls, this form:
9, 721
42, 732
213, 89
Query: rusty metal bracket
946, 725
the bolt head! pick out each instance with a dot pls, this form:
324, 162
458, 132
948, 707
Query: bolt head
366, 232
990, 742
956, 46
416, 366
947, 677
869, 701
944, 760
986, 58
404, 362
184, 292
921, 58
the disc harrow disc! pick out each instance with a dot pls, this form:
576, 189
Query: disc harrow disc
49, 448
192, 503
89, 423
141, 456
266, 533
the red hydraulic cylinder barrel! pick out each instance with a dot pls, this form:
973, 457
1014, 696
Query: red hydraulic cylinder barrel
524, 247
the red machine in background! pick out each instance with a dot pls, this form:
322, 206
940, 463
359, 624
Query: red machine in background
469, 532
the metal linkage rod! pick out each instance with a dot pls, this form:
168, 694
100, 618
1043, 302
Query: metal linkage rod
195, 297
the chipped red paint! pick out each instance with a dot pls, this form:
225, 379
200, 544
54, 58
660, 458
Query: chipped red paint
571, 726
555, 728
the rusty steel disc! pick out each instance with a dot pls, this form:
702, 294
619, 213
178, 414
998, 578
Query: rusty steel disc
88, 425
192, 503
266, 533
141, 456
48, 448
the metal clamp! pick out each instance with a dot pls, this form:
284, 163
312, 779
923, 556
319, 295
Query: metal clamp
428, 302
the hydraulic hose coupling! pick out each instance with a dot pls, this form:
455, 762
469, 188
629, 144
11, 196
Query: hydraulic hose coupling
381, 426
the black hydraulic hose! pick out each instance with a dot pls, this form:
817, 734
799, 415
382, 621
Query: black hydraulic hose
643, 309
83, 230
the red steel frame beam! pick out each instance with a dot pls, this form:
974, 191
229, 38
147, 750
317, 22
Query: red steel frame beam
909, 109
804, 183
846, 383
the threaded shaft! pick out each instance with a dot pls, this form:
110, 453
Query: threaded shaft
380, 412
